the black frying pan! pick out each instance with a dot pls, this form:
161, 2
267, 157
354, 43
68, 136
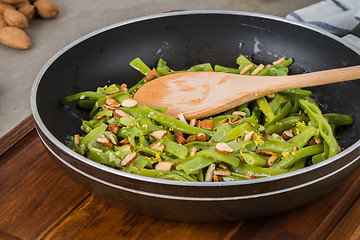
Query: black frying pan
184, 39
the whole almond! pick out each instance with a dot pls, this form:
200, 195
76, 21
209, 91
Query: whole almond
13, 1
4, 6
14, 37
46, 8
15, 18
2, 21
28, 11
19, 5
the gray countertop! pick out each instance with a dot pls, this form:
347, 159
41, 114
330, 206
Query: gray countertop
19, 68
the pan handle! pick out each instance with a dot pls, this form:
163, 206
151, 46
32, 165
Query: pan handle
354, 37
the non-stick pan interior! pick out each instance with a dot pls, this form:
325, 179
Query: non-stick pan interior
187, 39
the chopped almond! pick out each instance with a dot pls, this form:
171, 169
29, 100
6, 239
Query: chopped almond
181, 140
246, 68
112, 102
166, 166
241, 159
283, 59
267, 153
100, 117
151, 75
77, 139
193, 122
248, 136
217, 178
249, 176
271, 96
211, 141
128, 159
108, 108
124, 141
130, 102
206, 124
112, 127
103, 140
226, 120
158, 146
158, 134
287, 134
193, 151
178, 134
201, 137
257, 70
123, 87
234, 121
191, 138
120, 113
223, 148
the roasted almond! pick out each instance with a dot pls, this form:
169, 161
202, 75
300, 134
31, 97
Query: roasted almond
120, 113
178, 134
271, 160
246, 68
201, 137
130, 102
13, 1
283, 59
114, 128
181, 140
151, 75
222, 172
248, 136
287, 134
158, 134
112, 102
4, 6
193, 151
112, 140
166, 166
157, 146
223, 148
210, 173
46, 8
2, 21
128, 159
257, 70
15, 18
191, 138
103, 140
77, 139
239, 113
193, 122
24, 3
14, 37
206, 124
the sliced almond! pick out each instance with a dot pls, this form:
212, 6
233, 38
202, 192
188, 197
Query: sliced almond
128, 159
206, 124
271, 160
178, 134
223, 148
283, 59
108, 107
77, 139
249, 176
114, 128
112, 140
100, 117
124, 141
287, 134
182, 117
239, 113
267, 153
120, 113
166, 166
123, 87
130, 102
234, 121
248, 136
159, 134
209, 173
103, 140
112, 102
222, 172
257, 70
193, 151
223, 166
246, 68
201, 137
226, 120
151, 75
157, 146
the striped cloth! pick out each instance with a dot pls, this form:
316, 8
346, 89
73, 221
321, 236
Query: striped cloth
335, 16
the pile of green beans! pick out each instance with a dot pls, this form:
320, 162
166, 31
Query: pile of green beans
271, 135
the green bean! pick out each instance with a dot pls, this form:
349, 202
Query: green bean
285, 123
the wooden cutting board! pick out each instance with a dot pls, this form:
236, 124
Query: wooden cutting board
38, 201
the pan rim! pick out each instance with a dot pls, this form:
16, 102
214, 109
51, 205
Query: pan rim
40, 124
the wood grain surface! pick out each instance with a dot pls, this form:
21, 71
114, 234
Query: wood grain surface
38, 201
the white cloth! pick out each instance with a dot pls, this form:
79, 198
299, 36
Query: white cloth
335, 16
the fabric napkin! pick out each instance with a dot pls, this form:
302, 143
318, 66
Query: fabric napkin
335, 16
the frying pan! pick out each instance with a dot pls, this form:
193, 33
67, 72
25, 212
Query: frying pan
184, 39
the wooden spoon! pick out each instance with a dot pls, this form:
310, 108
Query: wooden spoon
202, 94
